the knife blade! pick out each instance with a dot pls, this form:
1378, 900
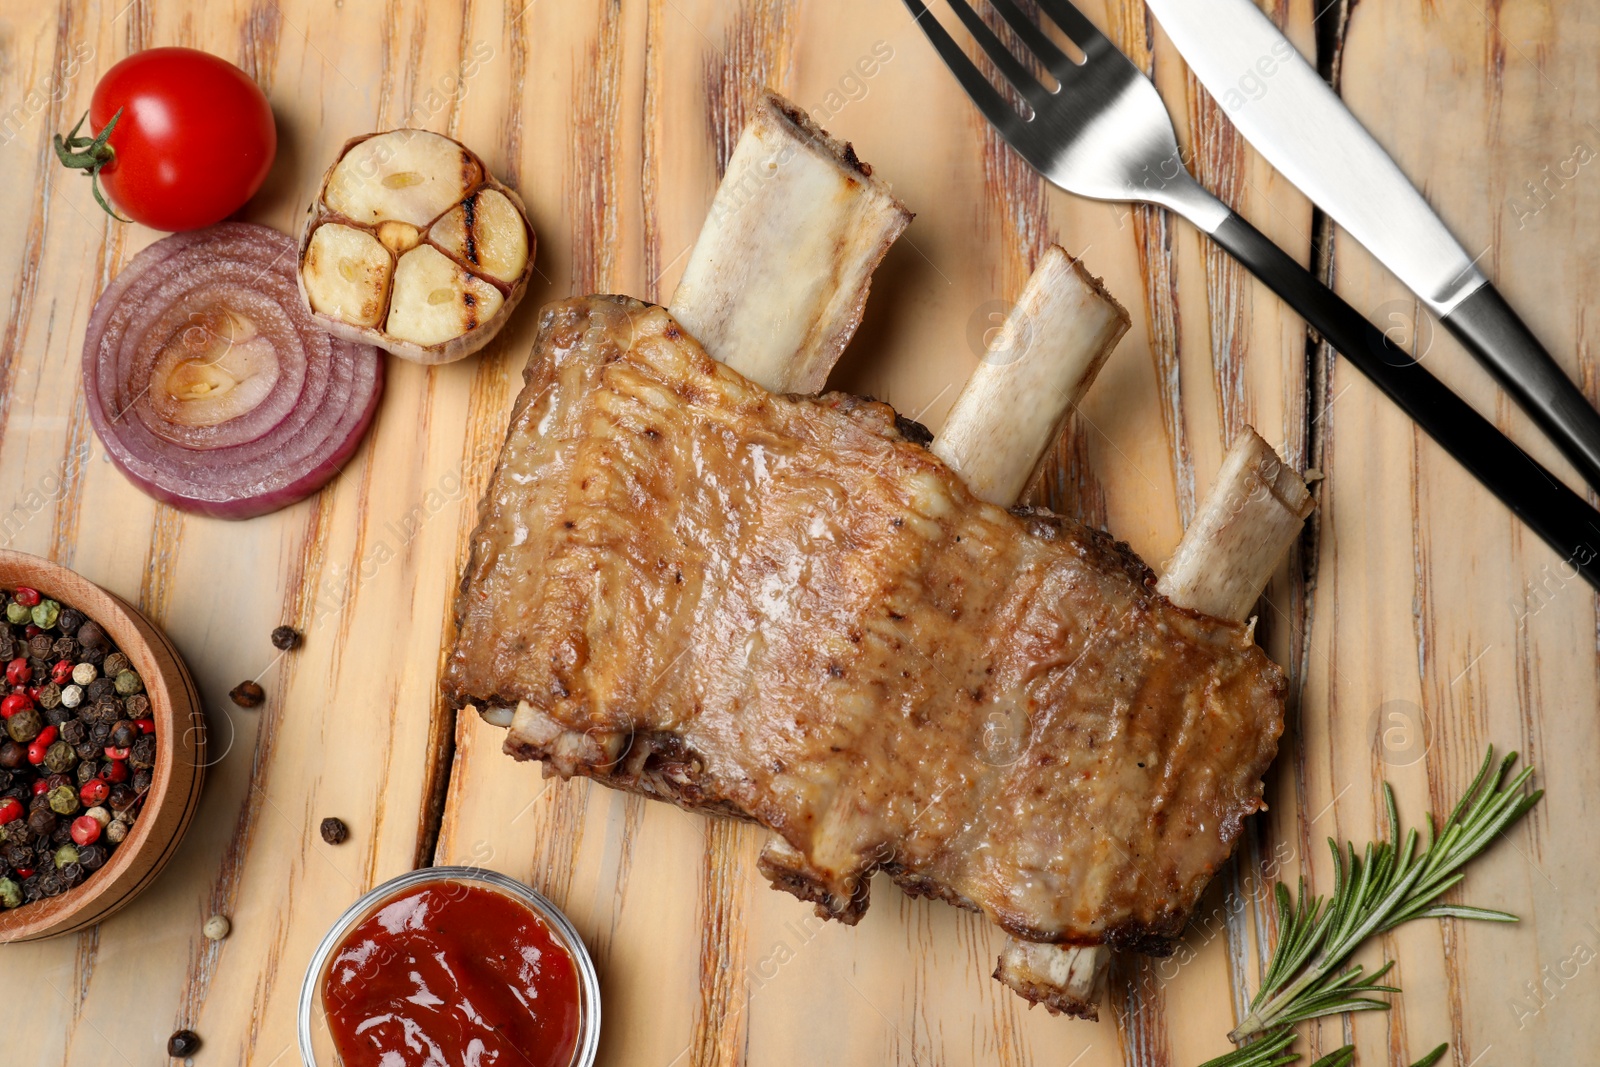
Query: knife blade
1298, 123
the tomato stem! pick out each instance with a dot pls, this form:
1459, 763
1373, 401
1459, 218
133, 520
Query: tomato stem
90, 155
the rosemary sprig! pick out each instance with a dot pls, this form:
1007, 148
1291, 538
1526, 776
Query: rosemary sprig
1344, 1057
1373, 892
1274, 1051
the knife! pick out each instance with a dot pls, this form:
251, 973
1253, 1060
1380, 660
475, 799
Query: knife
1299, 124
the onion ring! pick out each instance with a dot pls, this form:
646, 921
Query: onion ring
209, 383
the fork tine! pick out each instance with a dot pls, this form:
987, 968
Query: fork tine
994, 106
1010, 66
1074, 24
1035, 38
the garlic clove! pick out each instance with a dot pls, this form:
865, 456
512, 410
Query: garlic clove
434, 300
398, 237
405, 175
485, 231
345, 272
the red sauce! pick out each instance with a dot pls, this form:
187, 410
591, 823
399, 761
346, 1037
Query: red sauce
453, 975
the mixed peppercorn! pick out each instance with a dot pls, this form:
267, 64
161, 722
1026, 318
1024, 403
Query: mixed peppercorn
77, 752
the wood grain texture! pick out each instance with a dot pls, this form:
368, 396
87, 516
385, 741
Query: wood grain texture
1417, 622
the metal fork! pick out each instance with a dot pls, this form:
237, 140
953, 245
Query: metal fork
1103, 132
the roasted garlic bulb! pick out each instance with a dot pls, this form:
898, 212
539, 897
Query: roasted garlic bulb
413, 246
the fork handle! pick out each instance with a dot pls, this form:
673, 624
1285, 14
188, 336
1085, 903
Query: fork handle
1563, 518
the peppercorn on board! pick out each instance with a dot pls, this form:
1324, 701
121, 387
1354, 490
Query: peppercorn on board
1418, 623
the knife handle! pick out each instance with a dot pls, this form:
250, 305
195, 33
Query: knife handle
1563, 518
1493, 333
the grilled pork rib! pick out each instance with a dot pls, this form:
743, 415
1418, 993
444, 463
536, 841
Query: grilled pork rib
785, 609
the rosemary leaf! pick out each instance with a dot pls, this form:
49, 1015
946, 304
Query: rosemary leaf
1339, 1057
1431, 1058
1376, 890
1268, 1051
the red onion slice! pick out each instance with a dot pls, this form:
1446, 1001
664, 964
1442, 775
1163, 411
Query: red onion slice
209, 383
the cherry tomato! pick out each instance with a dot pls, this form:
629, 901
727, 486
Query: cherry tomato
194, 140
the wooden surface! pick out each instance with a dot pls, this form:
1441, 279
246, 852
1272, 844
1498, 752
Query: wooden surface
1418, 621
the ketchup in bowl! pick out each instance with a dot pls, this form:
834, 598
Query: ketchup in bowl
452, 973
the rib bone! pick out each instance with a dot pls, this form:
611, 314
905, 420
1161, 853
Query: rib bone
778, 278
798, 224
1247, 522
1036, 369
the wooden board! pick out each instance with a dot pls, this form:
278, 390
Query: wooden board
1415, 600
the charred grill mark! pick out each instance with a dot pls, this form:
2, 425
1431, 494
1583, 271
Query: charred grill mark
859, 165
913, 431
469, 221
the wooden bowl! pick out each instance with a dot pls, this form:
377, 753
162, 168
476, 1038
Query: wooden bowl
180, 756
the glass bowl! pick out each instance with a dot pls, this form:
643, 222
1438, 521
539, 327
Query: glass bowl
316, 1043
